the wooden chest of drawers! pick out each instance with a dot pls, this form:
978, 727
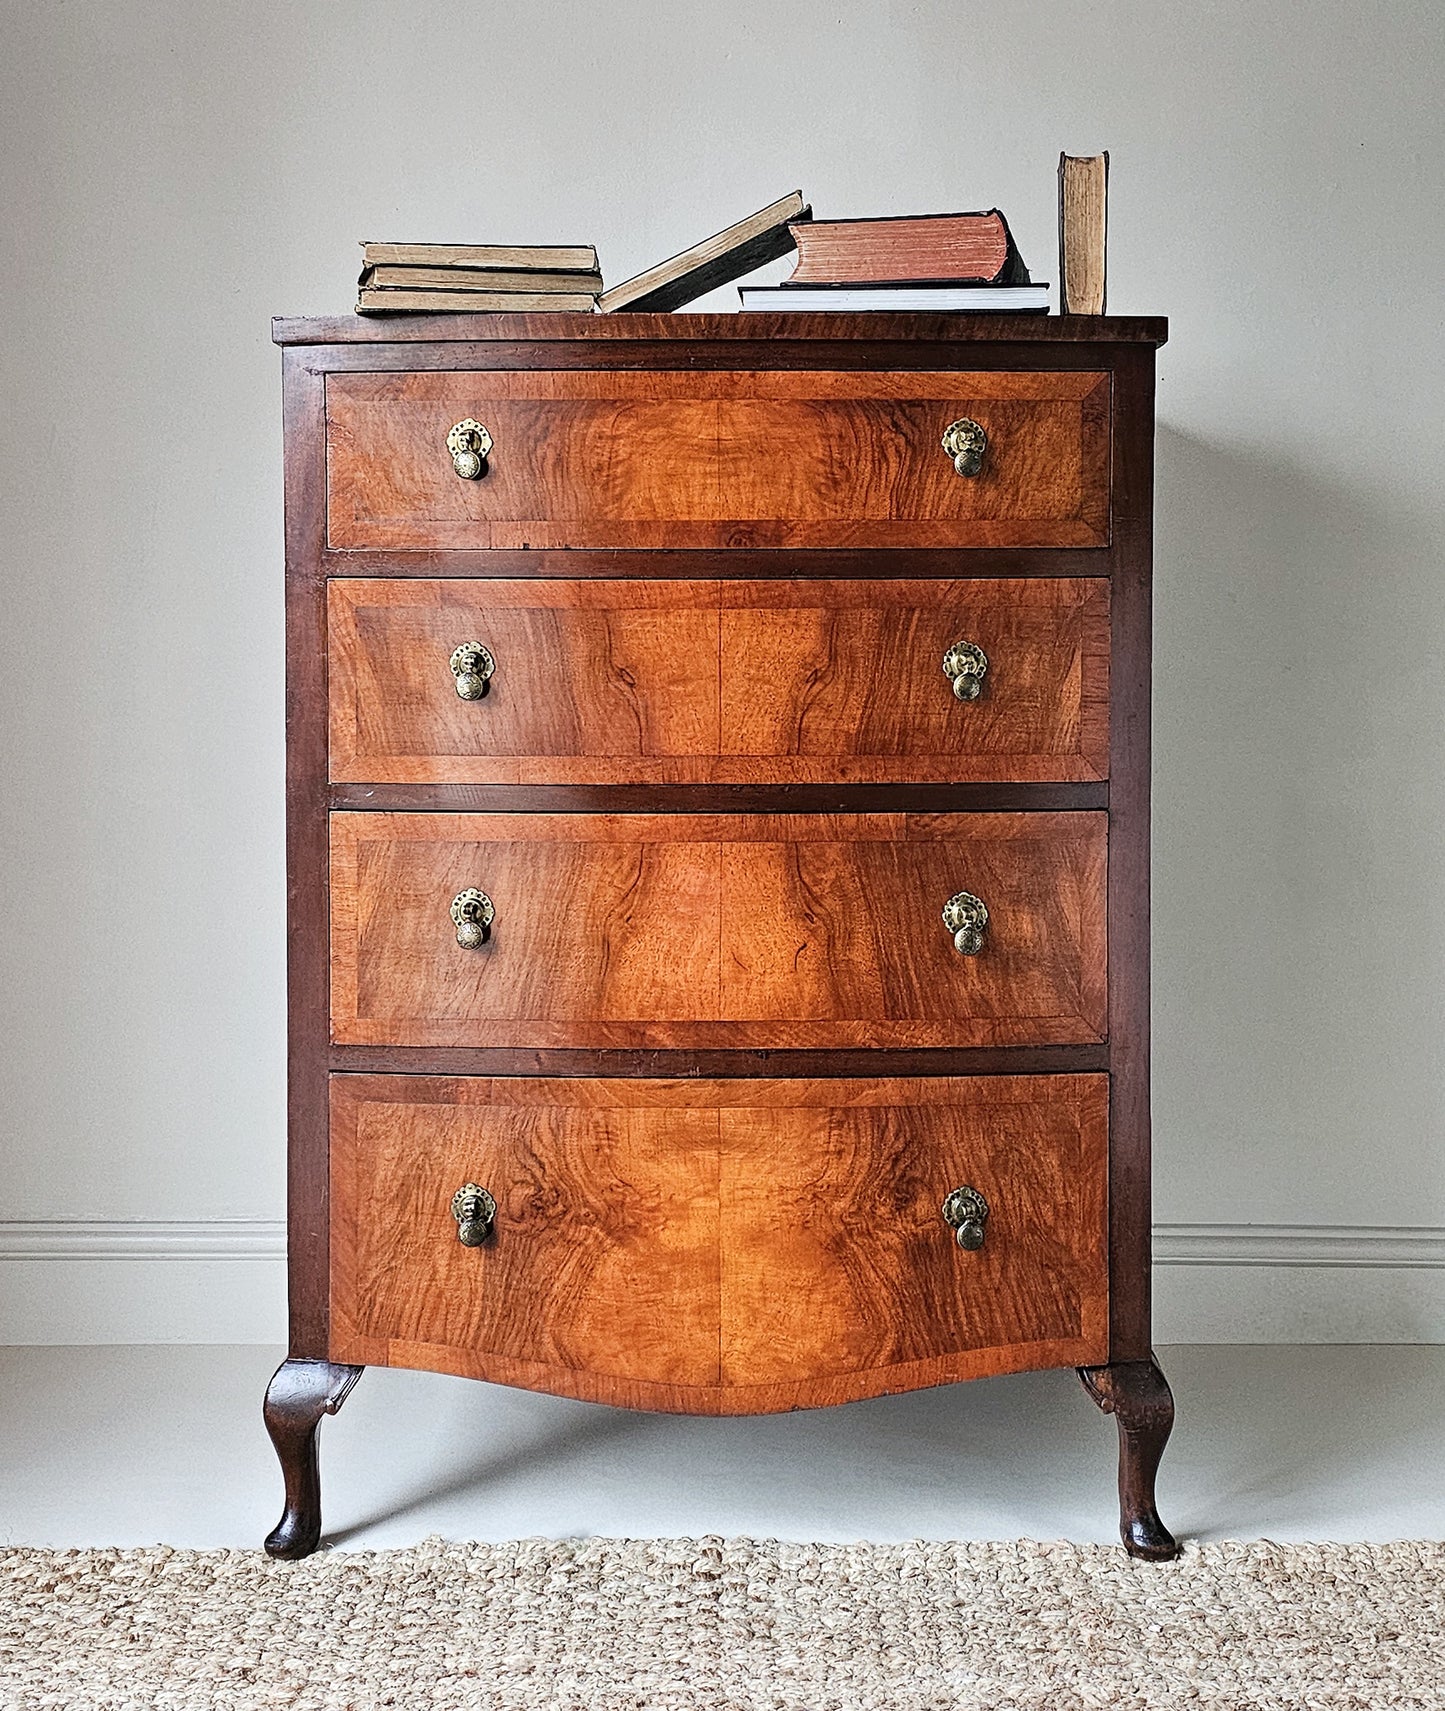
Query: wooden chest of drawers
718, 862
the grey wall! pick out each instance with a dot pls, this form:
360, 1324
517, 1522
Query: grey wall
176, 172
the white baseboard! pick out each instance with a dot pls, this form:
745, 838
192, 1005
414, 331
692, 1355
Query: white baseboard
224, 1281
1298, 1283
142, 1281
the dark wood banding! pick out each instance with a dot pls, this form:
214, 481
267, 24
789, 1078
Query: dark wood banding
725, 1065
720, 798
767, 332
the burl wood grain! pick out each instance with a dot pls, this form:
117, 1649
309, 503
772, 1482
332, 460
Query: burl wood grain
719, 1247
714, 930
596, 682
832, 1257
604, 1256
718, 681
843, 681
590, 459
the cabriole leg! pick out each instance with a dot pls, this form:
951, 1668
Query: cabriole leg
298, 1395
1137, 1394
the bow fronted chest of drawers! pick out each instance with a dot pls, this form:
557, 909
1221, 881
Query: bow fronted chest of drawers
718, 764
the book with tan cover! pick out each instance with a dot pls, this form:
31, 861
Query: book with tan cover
562, 258
471, 302
718, 260
1083, 233
474, 279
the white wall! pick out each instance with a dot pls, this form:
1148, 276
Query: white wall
176, 172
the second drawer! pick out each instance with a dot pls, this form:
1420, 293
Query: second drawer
786, 681
713, 930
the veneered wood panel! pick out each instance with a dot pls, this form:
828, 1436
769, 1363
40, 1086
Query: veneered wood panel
716, 1246
603, 1258
719, 682
842, 681
591, 458
595, 681
715, 930
835, 1256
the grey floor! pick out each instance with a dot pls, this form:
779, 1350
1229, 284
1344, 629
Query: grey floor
124, 1446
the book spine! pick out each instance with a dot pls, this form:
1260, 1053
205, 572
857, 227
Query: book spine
471, 302
1083, 233
567, 258
393, 277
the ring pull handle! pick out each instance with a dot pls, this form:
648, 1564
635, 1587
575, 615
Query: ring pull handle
469, 443
966, 441
475, 1212
966, 1212
966, 665
472, 916
472, 667
966, 917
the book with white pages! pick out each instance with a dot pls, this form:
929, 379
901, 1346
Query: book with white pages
948, 299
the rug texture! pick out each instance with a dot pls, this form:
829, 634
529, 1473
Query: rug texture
725, 1625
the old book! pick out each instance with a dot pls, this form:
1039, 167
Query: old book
470, 302
910, 249
717, 260
581, 258
943, 299
475, 279
1083, 232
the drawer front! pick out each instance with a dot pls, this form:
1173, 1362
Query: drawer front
718, 682
717, 459
711, 930
719, 1246
604, 1257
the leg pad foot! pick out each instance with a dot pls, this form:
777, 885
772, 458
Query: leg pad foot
1137, 1394
299, 1394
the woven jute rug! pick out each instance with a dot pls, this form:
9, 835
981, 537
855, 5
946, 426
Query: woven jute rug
725, 1625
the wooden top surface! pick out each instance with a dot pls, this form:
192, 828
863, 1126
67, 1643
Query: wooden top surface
866, 328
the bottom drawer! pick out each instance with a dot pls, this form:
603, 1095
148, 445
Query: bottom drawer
719, 1247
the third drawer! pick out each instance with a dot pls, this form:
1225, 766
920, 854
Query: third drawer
761, 682
766, 931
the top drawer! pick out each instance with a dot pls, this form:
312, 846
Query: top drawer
717, 459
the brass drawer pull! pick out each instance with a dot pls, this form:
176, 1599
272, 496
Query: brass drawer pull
966, 442
472, 915
472, 667
475, 1212
469, 443
966, 917
966, 665
966, 1212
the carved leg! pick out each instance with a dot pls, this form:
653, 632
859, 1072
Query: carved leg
298, 1395
1137, 1394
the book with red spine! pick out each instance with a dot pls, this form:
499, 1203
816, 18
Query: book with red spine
910, 249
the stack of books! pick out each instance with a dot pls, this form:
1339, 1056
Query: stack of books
476, 278
946, 262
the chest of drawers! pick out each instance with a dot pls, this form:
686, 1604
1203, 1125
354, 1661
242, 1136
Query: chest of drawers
718, 763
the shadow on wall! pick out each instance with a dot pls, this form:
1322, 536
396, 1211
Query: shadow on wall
1299, 952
